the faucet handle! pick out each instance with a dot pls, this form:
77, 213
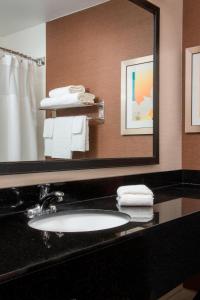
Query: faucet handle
19, 201
35, 211
59, 196
44, 190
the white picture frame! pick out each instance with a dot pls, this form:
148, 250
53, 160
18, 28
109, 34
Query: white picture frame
192, 90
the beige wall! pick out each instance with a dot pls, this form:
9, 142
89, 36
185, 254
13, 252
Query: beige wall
170, 108
99, 70
191, 38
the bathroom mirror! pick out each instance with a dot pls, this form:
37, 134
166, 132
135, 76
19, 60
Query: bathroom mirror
79, 85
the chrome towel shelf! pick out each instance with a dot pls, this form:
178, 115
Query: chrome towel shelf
100, 105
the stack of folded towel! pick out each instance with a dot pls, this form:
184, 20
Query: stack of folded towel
69, 95
136, 201
134, 195
64, 135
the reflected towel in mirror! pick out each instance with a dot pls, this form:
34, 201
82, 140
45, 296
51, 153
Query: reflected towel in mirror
48, 136
61, 146
80, 134
48, 145
48, 128
138, 214
68, 99
70, 89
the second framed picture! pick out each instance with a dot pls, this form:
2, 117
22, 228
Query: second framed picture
192, 90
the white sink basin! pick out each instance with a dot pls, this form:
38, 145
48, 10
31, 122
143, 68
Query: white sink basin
80, 221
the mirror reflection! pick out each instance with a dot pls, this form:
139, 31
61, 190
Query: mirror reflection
78, 86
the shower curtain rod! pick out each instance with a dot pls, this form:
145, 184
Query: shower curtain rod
39, 61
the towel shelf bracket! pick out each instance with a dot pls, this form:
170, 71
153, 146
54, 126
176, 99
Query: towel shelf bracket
100, 105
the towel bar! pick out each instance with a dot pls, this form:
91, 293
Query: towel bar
100, 105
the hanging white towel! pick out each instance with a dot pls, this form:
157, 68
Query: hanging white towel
48, 136
61, 147
48, 145
48, 128
80, 134
135, 200
77, 126
68, 99
138, 214
139, 189
66, 90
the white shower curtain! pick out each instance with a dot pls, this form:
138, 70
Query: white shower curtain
18, 109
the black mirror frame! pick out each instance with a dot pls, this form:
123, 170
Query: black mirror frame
8, 168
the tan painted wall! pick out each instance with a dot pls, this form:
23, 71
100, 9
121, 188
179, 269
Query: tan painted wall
191, 38
170, 108
94, 60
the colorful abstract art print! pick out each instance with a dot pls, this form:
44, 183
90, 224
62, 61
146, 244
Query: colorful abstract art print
137, 96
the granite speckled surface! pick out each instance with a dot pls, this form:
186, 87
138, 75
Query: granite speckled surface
160, 253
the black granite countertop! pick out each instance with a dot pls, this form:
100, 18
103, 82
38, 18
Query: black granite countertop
23, 249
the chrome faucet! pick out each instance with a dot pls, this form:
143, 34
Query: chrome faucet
48, 198
45, 202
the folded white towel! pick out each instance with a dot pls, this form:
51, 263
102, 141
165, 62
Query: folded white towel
66, 90
68, 99
135, 200
80, 134
139, 189
61, 147
138, 214
48, 128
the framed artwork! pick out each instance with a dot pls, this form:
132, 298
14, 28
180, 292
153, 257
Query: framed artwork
192, 90
137, 96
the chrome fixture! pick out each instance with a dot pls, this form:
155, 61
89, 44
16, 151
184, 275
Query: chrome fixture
100, 105
39, 61
46, 236
44, 191
45, 202
19, 201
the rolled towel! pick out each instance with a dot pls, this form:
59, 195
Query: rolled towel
139, 189
68, 99
86, 98
135, 200
66, 90
138, 214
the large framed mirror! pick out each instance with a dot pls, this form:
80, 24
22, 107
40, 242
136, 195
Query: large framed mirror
79, 85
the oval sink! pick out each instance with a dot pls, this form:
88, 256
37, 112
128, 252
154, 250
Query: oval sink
80, 221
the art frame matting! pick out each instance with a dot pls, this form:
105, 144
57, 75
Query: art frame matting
137, 96
192, 90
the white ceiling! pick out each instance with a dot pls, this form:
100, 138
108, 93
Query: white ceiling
16, 15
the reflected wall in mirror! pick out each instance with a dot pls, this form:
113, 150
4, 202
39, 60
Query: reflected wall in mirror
105, 112
88, 48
